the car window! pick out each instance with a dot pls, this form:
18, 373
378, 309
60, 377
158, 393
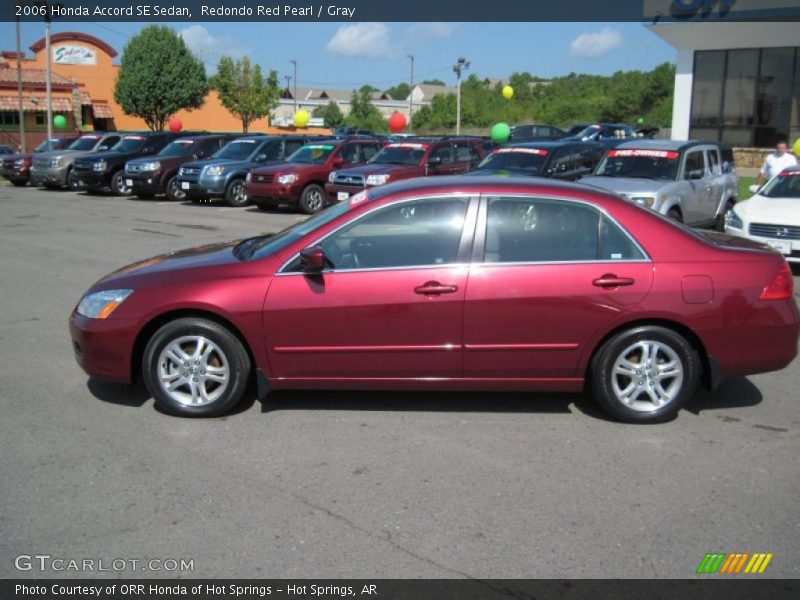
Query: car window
465, 152
292, 146
539, 230
369, 150
349, 153
444, 152
694, 162
421, 233
712, 158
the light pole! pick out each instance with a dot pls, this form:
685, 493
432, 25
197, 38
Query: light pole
294, 62
49, 86
461, 65
411, 89
19, 92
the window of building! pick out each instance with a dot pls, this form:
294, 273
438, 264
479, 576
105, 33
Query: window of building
9, 119
40, 120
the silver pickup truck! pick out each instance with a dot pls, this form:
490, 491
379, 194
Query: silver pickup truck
694, 182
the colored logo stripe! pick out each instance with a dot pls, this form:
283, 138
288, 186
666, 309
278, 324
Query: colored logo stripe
758, 564
720, 562
711, 562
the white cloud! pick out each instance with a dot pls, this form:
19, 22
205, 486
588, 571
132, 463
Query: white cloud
207, 46
362, 39
376, 40
592, 45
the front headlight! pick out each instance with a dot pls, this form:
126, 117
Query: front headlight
249, 177
100, 165
214, 171
288, 178
151, 166
331, 176
733, 220
377, 179
647, 201
101, 304
55, 163
19, 162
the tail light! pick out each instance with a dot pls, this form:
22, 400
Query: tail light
781, 286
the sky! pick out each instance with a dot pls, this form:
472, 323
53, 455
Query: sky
348, 55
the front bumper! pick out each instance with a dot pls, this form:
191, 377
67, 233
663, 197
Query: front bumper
333, 191
145, 182
790, 249
203, 187
49, 176
274, 191
94, 180
17, 174
104, 347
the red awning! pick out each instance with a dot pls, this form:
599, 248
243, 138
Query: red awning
34, 103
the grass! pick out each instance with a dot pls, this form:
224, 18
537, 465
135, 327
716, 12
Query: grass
744, 183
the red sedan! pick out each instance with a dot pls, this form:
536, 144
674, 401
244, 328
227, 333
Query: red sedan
449, 283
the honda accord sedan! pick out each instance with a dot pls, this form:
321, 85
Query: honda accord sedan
449, 283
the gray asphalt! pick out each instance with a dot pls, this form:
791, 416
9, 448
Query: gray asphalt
336, 484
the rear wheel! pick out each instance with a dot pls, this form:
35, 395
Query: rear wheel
118, 187
645, 374
674, 213
174, 191
195, 368
312, 200
235, 194
719, 222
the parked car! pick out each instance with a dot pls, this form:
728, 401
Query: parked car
158, 174
223, 175
106, 170
771, 216
300, 181
404, 160
535, 133
690, 181
17, 167
609, 135
54, 169
557, 159
344, 131
449, 283
6, 149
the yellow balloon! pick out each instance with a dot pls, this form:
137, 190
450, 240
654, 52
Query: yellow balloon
301, 118
796, 147
508, 92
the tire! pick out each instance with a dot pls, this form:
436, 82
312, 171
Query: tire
675, 214
118, 187
654, 393
266, 204
235, 194
72, 181
174, 191
719, 221
312, 200
196, 392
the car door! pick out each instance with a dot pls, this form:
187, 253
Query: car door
388, 306
546, 276
465, 157
562, 163
717, 181
697, 183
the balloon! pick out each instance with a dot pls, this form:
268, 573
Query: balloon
301, 118
60, 121
508, 92
500, 133
396, 122
796, 147
175, 125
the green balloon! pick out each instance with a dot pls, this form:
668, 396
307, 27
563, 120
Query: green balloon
59, 121
500, 133
641, 120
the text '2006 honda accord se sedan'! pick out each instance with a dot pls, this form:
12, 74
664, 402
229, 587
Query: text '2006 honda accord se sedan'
449, 283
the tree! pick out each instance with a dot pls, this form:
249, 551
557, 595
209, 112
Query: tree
363, 113
399, 91
331, 114
243, 90
158, 76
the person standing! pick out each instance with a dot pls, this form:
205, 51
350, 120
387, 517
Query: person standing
776, 162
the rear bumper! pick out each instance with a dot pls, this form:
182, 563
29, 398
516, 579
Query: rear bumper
103, 347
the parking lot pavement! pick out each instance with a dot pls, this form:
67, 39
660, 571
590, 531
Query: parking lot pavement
323, 484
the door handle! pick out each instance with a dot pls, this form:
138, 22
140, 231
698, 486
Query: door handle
434, 288
609, 280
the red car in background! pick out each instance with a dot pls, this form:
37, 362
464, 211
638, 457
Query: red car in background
301, 179
449, 283
418, 157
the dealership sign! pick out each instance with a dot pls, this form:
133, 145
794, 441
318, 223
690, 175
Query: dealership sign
66, 54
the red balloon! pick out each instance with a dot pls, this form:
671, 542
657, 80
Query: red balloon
396, 122
175, 125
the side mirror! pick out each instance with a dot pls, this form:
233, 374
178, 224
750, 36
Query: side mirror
312, 259
434, 161
696, 174
338, 160
754, 189
261, 158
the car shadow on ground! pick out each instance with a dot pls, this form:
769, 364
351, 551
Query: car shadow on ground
738, 392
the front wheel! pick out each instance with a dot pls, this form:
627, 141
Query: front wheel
235, 194
675, 215
645, 374
118, 187
195, 368
174, 191
73, 182
312, 200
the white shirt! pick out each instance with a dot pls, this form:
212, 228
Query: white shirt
775, 164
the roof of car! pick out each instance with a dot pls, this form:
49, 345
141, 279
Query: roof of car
549, 144
674, 145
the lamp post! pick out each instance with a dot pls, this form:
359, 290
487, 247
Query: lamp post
294, 62
411, 89
461, 65
19, 93
49, 79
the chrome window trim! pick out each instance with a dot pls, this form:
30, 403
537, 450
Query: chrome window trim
455, 195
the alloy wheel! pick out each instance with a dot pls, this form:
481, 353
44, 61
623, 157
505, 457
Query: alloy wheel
647, 376
193, 370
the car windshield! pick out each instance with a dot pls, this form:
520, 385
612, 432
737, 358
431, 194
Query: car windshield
237, 150
642, 164
48, 145
177, 148
129, 143
312, 154
264, 245
530, 160
87, 142
400, 154
785, 185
